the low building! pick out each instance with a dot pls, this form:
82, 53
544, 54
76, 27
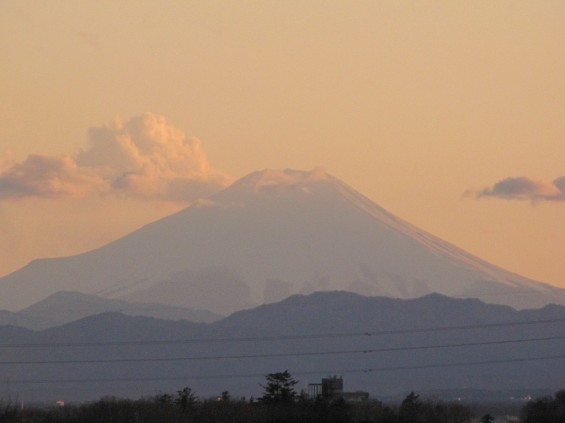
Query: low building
331, 389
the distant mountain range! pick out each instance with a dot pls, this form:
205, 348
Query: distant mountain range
64, 307
270, 235
382, 345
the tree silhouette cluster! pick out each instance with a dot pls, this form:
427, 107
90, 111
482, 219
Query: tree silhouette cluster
217, 410
545, 410
280, 403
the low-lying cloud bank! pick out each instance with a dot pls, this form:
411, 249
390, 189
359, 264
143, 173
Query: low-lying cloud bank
143, 157
524, 188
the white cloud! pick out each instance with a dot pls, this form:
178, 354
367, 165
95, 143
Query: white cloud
144, 157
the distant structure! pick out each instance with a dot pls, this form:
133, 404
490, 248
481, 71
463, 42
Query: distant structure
331, 389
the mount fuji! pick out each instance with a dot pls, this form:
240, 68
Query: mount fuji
270, 235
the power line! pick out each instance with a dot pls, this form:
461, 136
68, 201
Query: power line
278, 337
303, 373
276, 355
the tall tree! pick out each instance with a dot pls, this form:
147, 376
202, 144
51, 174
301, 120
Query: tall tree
279, 388
186, 398
487, 418
411, 409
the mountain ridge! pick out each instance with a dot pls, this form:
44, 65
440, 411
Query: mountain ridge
67, 306
382, 345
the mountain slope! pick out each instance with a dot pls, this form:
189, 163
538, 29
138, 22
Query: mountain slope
269, 235
381, 345
64, 307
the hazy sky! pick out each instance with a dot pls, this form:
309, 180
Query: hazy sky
449, 114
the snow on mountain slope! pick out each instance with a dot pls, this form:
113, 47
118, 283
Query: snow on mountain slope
269, 235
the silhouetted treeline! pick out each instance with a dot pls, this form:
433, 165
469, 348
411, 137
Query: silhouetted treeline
185, 407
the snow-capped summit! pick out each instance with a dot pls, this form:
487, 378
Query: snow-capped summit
269, 235
275, 185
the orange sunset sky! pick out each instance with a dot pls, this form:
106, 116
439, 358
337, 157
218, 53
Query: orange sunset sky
449, 114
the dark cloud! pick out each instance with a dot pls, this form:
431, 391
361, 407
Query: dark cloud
524, 188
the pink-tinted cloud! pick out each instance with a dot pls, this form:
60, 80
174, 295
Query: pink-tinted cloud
524, 188
144, 157
51, 177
